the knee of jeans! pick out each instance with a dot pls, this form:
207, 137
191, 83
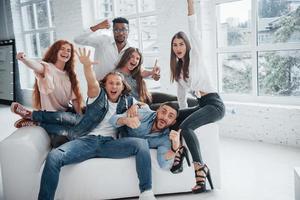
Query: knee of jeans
141, 144
55, 156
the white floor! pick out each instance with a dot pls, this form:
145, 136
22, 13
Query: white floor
250, 170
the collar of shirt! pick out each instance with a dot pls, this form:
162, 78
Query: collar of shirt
113, 42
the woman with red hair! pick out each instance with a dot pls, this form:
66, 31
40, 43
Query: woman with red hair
56, 84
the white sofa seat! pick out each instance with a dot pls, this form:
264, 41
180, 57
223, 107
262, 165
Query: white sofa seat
23, 153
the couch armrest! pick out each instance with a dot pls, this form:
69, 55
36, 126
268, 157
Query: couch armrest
21, 156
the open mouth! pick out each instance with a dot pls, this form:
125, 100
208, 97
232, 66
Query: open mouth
162, 122
65, 56
132, 65
113, 93
179, 54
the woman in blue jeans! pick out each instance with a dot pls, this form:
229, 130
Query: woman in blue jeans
190, 73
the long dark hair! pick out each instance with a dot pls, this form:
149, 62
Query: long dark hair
143, 92
176, 64
51, 57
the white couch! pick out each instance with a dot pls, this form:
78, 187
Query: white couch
23, 153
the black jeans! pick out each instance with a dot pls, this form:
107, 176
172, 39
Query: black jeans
158, 98
210, 109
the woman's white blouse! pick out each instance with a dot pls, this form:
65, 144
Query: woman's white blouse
199, 76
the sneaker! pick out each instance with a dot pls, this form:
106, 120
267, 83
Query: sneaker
147, 195
25, 122
20, 110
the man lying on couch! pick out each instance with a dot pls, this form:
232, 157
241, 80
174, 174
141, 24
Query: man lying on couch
153, 126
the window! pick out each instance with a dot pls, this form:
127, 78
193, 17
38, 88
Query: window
258, 46
279, 73
142, 24
236, 72
38, 31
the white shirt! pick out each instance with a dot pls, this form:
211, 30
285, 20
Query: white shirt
106, 51
199, 76
55, 88
105, 128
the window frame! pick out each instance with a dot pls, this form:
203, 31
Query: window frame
29, 76
253, 48
137, 16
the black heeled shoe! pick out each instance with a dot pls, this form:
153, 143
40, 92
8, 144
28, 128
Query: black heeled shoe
178, 161
201, 184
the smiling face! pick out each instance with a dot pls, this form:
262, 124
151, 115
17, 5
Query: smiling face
64, 53
134, 60
114, 87
179, 47
120, 31
165, 117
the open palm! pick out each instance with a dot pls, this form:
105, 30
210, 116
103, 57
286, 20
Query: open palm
84, 57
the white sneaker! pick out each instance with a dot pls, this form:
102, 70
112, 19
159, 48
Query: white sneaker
147, 195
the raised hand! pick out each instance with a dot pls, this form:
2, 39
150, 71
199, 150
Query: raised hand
174, 136
84, 57
156, 71
102, 25
21, 56
92, 83
191, 10
31, 63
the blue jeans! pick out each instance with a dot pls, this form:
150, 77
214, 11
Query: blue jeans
57, 117
73, 125
210, 109
56, 122
91, 146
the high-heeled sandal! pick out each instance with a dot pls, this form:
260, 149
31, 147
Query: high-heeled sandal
202, 172
181, 153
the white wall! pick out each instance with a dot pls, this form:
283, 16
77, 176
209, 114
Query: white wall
265, 123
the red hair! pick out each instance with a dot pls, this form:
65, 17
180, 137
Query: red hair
51, 57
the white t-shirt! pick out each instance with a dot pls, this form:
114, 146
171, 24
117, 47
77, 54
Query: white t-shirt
55, 89
105, 128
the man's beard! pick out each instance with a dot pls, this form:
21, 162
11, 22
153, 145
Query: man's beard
156, 125
120, 42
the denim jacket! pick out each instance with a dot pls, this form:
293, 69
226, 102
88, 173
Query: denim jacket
156, 140
95, 112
